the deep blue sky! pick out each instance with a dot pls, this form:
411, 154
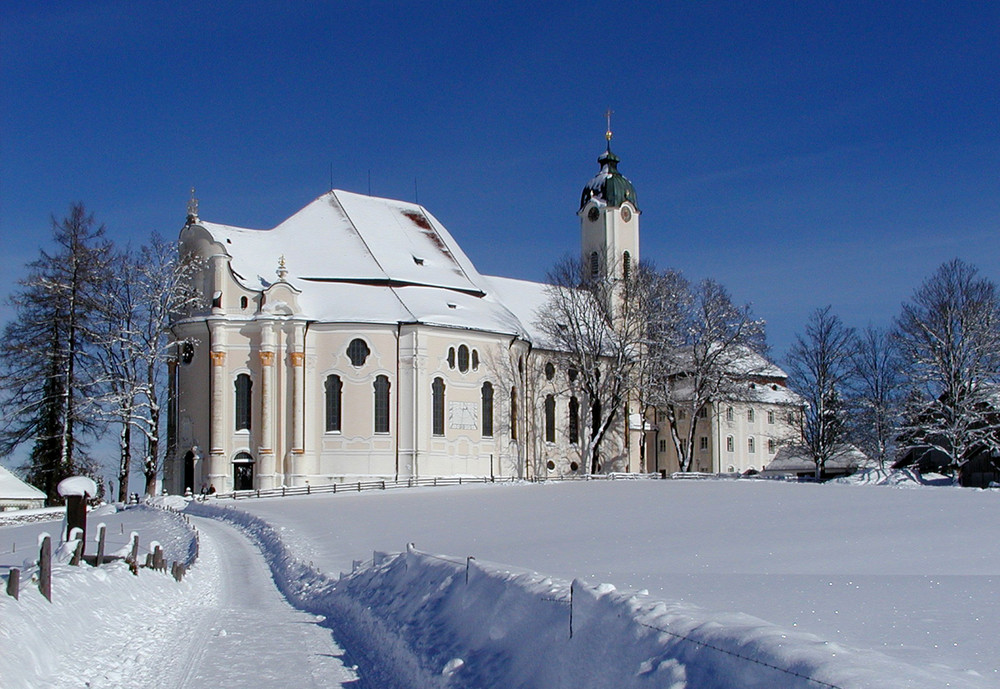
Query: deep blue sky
803, 153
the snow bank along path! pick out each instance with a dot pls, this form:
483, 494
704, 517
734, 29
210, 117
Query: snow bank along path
417, 619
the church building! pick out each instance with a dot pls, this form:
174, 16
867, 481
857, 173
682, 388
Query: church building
357, 341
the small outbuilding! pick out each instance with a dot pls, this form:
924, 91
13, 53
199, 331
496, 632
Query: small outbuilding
15, 494
794, 461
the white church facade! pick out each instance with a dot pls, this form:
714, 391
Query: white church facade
357, 341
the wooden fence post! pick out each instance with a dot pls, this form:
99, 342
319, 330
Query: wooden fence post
14, 583
102, 531
45, 568
133, 557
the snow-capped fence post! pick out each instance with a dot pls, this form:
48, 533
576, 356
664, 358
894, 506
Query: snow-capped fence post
158, 563
14, 583
45, 567
468, 565
75, 490
102, 531
133, 556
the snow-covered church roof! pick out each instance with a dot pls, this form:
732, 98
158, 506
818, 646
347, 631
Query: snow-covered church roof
358, 258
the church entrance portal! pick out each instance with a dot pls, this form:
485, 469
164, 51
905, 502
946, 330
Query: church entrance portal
243, 472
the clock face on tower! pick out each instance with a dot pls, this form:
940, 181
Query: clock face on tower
593, 214
626, 213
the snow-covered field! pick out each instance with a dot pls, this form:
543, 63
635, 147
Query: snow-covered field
703, 584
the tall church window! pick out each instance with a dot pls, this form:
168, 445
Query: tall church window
513, 413
333, 390
550, 370
595, 264
381, 404
463, 358
487, 410
475, 359
550, 419
243, 406
595, 418
358, 352
437, 406
574, 420
451, 357
626, 266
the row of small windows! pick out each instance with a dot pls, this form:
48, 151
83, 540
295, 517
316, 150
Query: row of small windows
772, 445
333, 390
464, 355
550, 372
730, 415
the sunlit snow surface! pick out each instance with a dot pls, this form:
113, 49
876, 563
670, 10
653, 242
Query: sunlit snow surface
853, 585
908, 572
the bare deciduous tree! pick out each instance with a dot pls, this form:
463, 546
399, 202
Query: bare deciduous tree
150, 286
876, 394
820, 365
702, 348
949, 338
598, 329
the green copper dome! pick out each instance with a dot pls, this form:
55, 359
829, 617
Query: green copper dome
609, 185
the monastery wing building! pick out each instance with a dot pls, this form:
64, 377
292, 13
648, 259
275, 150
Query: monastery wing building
357, 341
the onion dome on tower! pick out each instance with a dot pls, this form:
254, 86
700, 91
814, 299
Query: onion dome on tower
609, 185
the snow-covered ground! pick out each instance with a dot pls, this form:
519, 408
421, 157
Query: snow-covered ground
907, 572
704, 585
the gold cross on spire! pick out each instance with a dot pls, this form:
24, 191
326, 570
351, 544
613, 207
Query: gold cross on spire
608, 115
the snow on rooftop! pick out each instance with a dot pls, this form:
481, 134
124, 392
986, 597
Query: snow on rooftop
11, 487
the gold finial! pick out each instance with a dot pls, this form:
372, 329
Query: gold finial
282, 271
608, 115
192, 207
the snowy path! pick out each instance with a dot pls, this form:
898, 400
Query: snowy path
249, 636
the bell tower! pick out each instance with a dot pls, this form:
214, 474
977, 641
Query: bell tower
609, 220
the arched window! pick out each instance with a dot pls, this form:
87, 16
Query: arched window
750, 415
574, 420
437, 406
243, 302
595, 418
770, 446
751, 446
382, 404
729, 414
333, 389
595, 264
730, 444
487, 410
626, 266
451, 357
463, 358
358, 352
550, 419
513, 413
550, 370
572, 373
475, 359
243, 387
